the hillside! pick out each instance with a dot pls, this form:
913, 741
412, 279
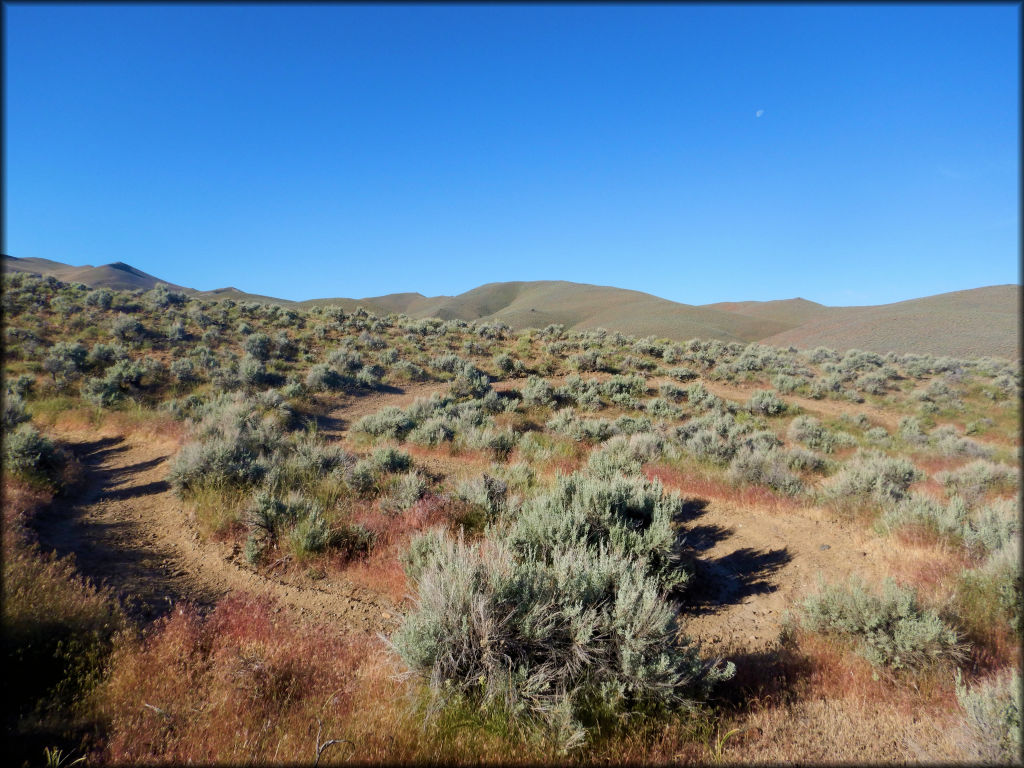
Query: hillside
980, 321
975, 322
119, 276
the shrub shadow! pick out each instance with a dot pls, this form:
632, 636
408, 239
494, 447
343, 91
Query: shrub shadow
726, 580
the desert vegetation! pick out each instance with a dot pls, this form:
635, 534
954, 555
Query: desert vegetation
461, 541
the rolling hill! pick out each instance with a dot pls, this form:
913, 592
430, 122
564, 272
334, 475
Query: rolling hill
979, 321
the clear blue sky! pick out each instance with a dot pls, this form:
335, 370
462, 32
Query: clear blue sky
846, 154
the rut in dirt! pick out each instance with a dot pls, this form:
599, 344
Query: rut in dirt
126, 530
97, 523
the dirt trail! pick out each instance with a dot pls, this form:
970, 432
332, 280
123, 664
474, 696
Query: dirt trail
127, 529
755, 564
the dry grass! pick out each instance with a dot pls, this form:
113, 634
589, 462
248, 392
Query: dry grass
246, 684
699, 483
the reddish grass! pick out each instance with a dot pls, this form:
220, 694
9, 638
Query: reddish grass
240, 685
930, 464
835, 671
703, 486
381, 570
931, 570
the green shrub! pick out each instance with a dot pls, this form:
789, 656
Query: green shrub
432, 432
890, 629
14, 412
870, 474
992, 527
992, 710
127, 328
974, 480
257, 345
632, 516
218, 463
765, 467
407, 490
538, 392
994, 591
812, 433
31, 455
948, 519
388, 422
681, 374
391, 460
101, 298
766, 402
362, 477
65, 360
802, 460
322, 378
574, 638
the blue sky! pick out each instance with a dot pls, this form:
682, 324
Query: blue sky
847, 154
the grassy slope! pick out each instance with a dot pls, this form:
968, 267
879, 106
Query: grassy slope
980, 321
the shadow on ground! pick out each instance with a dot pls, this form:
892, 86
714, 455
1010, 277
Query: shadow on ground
731, 578
97, 521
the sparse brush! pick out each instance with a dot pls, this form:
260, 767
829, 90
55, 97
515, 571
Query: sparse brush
891, 629
390, 422
31, 455
992, 717
766, 402
974, 480
873, 475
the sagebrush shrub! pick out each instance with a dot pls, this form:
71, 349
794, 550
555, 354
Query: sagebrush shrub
31, 455
891, 629
538, 392
14, 412
765, 467
948, 519
389, 422
812, 433
575, 637
874, 475
974, 480
992, 713
766, 402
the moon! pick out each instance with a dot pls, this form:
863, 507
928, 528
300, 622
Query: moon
759, 113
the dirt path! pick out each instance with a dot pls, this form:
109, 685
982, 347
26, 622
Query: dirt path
127, 529
755, 565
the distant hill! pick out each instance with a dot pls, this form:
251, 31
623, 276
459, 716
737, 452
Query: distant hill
979, 321
575, 305
119, 276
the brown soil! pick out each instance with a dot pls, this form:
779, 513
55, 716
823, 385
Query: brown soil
127, 529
